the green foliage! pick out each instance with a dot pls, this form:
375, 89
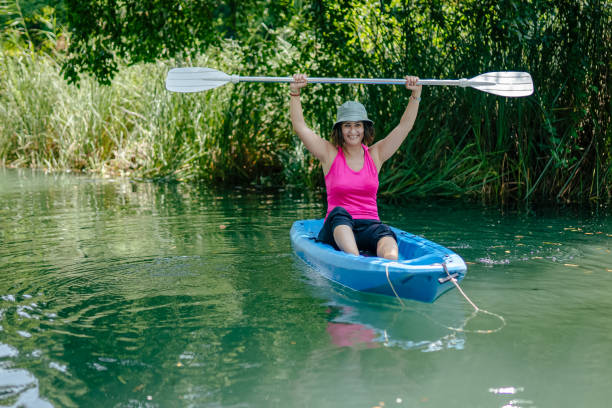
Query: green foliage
534, 148
554, 145
107, 33
31, 25
135, 127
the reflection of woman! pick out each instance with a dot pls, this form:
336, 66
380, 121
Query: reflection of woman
351, 171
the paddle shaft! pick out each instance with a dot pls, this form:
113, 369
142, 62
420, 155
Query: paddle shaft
378, 81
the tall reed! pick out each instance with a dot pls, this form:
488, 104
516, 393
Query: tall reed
236, 134
554, 145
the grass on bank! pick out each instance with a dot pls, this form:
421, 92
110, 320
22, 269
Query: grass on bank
464, 143
241, 134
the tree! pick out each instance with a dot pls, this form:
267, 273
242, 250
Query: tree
105, 32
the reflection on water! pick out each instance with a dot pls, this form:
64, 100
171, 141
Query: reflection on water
366, 320
119, 293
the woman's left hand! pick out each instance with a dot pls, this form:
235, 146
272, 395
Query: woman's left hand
411, 83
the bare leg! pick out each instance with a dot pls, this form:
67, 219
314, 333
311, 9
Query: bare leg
387, 248
345, 239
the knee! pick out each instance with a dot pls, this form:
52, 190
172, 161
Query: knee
387, 248
345, 239
390, 254
343, 229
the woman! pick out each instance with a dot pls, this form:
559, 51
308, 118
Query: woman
351, 171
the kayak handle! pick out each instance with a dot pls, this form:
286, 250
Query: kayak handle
448, 277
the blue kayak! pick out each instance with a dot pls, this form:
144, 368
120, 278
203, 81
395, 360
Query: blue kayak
418, 274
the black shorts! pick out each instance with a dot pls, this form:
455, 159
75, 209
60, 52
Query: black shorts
367, 232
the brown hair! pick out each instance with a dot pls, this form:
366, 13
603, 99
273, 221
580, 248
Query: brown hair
368, 134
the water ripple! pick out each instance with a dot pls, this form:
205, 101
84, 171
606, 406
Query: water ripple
134, 294
19, 388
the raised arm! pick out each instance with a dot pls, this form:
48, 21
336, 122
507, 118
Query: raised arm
320, 148
385, 148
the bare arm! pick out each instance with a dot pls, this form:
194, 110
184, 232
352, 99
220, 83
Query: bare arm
320, 148
384, 149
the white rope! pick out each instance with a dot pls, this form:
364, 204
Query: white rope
474, 314
391, 284
452, 279
476, 310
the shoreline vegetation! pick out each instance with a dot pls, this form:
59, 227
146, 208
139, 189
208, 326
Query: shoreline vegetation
554, 146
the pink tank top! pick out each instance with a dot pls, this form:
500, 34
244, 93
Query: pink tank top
353, 190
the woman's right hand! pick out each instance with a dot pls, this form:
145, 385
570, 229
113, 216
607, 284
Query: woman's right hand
299, 81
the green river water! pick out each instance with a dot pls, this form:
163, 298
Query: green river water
124, 294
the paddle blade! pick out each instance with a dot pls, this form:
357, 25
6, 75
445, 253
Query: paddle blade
195, 79
510, 84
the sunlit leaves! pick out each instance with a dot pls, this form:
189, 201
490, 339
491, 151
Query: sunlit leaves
105, 32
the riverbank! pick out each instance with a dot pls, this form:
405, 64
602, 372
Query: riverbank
554, 146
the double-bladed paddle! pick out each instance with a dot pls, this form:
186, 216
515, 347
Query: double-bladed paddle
195, 79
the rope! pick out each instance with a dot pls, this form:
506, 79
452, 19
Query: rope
391, 284
459, 287
476, 310
474, 314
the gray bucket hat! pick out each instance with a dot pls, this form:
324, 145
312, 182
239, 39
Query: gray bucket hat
352, 111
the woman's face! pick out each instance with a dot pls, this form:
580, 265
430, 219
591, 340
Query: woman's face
352, 133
